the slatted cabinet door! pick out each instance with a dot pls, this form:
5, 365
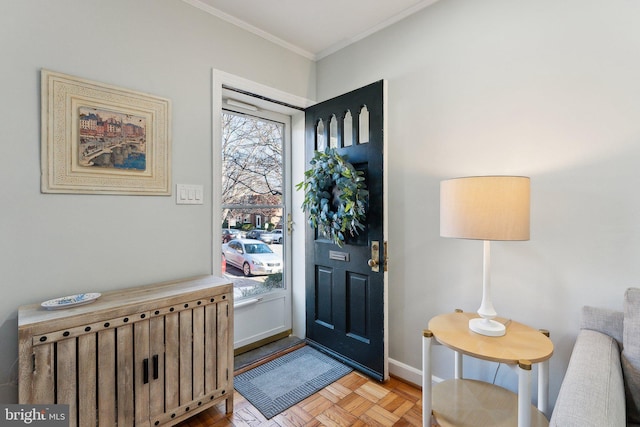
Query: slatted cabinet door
85, 369
145, 366
196, 356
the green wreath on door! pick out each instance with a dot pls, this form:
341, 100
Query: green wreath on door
334, 196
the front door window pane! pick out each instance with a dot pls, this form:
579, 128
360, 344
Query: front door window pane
348, 130
320, 142
333, 132
363, 134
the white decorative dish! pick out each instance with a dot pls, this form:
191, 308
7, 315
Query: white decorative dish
70, 301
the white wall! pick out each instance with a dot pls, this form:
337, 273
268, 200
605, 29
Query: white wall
542, 88
54, 245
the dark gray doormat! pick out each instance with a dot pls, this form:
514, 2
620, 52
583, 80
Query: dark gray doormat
287, 380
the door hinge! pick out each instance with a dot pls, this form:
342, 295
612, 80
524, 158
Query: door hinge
386, 258
289, 224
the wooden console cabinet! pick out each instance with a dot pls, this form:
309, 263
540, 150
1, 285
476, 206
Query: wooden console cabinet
146, 356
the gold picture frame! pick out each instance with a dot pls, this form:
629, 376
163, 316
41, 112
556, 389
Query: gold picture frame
102, 139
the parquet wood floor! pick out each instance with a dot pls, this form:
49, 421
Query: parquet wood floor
353, 400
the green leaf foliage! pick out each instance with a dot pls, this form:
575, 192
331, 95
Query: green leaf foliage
335, 196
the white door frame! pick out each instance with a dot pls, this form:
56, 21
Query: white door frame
296, 242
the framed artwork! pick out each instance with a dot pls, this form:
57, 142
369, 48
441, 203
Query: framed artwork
102, 139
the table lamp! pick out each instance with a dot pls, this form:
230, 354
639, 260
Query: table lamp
485, 208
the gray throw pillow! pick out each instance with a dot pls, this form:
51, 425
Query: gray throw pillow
631, 353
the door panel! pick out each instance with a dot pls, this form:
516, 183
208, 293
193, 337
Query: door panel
324, 296
346, 312
358, 290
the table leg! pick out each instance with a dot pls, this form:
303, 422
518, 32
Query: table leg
427, 337
543, 387
524, 393
458, 372
543, 381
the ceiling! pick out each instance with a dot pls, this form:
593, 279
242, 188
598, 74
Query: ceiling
312, 28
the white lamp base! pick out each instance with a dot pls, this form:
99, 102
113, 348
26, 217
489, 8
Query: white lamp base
487, 327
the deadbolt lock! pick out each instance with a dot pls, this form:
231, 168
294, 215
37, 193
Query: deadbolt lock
375, 256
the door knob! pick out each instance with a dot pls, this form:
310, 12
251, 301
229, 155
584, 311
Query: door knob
372, 263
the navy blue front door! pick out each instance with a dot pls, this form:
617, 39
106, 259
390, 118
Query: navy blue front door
345, 296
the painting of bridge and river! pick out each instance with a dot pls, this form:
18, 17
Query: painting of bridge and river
111, 139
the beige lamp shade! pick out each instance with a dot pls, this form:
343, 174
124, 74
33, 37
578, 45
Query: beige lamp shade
485, 208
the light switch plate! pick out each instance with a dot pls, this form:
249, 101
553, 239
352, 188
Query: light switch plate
188, 194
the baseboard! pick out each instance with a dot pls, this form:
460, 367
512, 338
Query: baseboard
408, 373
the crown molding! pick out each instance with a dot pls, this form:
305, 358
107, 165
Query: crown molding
297, 49
250, 28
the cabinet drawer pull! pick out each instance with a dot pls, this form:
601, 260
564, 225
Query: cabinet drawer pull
145, 371
155, 366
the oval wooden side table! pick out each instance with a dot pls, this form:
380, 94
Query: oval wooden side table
464, 402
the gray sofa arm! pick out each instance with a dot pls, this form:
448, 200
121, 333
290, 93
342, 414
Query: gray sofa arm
592, 392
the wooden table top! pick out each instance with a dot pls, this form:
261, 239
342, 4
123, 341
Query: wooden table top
520, 342
141, 297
